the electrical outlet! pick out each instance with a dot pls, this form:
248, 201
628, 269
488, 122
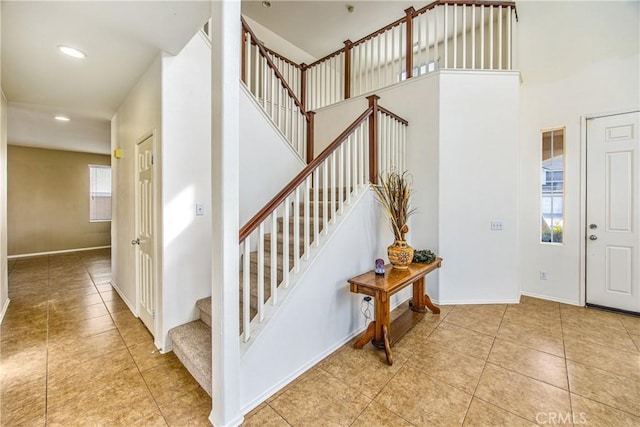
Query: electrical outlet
199, 209
497, 225
543, 275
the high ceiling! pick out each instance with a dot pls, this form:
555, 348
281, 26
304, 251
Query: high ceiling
120, 39
321, 27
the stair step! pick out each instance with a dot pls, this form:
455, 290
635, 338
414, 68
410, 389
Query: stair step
192, 345
204, 305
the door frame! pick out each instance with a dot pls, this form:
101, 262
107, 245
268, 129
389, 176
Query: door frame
157, 323
583, 195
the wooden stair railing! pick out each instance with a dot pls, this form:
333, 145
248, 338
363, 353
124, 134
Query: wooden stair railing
479, 37
298, 216
265, 81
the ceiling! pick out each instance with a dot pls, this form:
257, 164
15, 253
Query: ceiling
121, 39
321, 27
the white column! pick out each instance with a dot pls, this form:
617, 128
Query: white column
225, 80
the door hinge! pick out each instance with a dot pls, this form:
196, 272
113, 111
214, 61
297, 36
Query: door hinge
153, 159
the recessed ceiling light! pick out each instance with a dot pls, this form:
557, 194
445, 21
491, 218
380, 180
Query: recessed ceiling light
62, 118
266, 4
72, 51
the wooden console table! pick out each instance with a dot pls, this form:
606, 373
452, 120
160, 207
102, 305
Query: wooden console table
380, 332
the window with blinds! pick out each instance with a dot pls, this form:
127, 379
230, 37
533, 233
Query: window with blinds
99, 193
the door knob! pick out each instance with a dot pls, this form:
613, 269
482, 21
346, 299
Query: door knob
593, 237
136, 241
593, 226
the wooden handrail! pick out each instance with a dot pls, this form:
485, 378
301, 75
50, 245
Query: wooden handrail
393, 115
263, 52
282, 57
268, 209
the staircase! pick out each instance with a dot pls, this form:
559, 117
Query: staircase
192, 341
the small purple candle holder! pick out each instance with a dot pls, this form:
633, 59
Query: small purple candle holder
380, 267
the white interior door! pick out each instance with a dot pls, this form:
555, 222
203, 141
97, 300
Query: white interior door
613, 214
145, 230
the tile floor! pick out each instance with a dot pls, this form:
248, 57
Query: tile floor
72, 354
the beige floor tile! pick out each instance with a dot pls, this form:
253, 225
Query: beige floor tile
608, 359
532, 363
483, 414
481, 318
632, 324
546, 339
147, 356
422, 400
347, 365
462, 340
121, 402
620, 392
520, 394
590, 413
116, 305
110, 296
38, 421
63, 387
135, 333
106, 287
70, 285
191, 408
617, 338
377, 415
22, 402
20, 364
168, 381
65, 357
72, 301
318, 400
587, 317
265, 417
77, 314
456, 369
71, 330
533, 315
124, 318
636, 340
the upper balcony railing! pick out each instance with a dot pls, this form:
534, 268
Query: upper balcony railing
445, 34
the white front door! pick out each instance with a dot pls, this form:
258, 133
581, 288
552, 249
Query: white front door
145, 233
613, 214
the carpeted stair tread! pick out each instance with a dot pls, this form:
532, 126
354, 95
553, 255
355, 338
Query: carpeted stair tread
192, 345
204, 305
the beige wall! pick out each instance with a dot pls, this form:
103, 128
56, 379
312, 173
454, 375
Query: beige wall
48, 201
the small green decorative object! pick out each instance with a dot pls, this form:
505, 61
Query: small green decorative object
424, 256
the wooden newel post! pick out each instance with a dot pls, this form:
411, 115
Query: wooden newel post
373, 139
310, 147
409, 47
303, 85
347, 69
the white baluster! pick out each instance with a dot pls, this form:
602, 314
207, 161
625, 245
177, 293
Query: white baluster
333, 188
446, 37
509, 35
316, 207
454, 10
274, 257
325, 202
340, 178
500, 16
464, 36
436, 56
491, 40
286, 269
261, 272
246, 289
247, 65
473, 36
347, 171
296, 230
306, 217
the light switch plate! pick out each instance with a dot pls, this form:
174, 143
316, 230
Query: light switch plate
497, 225
199, 209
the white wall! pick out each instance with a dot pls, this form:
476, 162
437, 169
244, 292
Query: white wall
478, 184
138, 115
186, 180
276, 43
261, 147
576, 59
321, 313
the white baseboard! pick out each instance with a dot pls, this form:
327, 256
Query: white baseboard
233, 423
548, 298
63, 251
124, 298
4, 309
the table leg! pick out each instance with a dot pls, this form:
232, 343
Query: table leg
366, 337
417, 304
432, 306
382, 319
387, 345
